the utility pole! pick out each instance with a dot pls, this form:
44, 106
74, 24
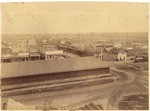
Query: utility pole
101, 52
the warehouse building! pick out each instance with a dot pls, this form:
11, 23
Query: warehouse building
33, 71
48, 53
77, 51
115, 54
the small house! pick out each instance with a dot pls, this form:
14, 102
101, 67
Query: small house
115, 54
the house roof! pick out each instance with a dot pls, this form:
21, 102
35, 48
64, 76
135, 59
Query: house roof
98, 50
108, 48
117, 50
45, 50
18, 69
23, 54
7, 56
44, 41
54, 52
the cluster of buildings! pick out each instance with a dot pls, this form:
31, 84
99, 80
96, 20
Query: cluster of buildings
30, 50
107, 51
43, 49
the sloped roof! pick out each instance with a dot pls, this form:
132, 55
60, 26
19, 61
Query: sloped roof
44, 41
6, 56
46, 49
108, 48
18, 69
117, 50
98, 50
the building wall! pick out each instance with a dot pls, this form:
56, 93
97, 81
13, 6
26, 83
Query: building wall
122, 56
61, 75
21, 42
79, 52
110, 57
115, 57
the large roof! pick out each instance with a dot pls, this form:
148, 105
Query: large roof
18, 69
116, 50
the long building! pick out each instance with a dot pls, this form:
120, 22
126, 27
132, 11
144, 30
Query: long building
77, 51
24, 72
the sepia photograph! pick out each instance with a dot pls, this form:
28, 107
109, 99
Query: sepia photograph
74, 56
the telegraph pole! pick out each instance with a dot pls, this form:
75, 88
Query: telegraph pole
101, 52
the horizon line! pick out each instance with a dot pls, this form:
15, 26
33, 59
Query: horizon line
71, 33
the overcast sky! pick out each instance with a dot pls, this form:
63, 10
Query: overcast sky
47, 18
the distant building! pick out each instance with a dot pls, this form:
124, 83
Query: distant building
44, 43
5, 58
16, 49
26, 42
141, 58
8, 40
34, 56
74, 50
6, 54
22, 42
32, 41
62, 42
47, 53
131, 54
23, 56
53, 54
117, 44
13, 56
34, 53
99, 51
67, 43
115, 54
